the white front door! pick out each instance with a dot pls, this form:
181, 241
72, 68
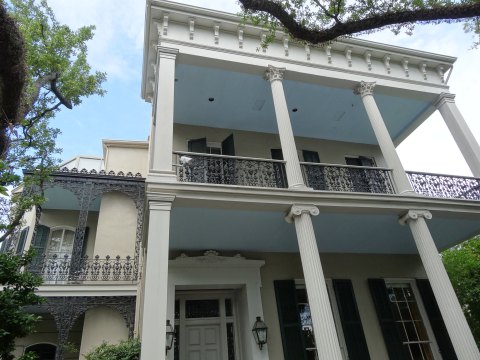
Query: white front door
203, 342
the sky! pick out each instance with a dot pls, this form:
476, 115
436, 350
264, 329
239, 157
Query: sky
117, 49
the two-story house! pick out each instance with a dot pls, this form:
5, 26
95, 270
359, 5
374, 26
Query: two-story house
270, 187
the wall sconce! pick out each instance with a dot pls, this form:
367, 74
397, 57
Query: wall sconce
260, 332
169, 336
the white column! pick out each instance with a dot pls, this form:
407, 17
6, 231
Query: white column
156, 280
457, 327
365, 90
161, 141
460, 131
326, 340
287, 140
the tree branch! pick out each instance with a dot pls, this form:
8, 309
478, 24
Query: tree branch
445, 13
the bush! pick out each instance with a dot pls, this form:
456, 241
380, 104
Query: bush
126, 350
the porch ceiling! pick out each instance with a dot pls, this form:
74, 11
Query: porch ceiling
240, 230
243, 101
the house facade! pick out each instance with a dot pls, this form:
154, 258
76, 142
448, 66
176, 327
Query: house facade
270, 188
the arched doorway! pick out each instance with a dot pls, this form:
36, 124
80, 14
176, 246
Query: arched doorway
43, 351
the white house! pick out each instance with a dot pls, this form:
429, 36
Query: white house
269, 187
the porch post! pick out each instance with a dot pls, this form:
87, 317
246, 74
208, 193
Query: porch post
460, 131
457, 327
287, 140
326, 340
156, 279
161, 138
365, 90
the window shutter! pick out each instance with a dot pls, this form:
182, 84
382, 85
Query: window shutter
228, 146
85, 242
310, 156
351, 323
21, 241
40, 241
277, 154
197, 145
393, 341
290, 327
436, 321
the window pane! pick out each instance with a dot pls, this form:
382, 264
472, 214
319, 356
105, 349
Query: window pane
228, 307
230, 341
55, 241
67, 244
202, 308
177, 309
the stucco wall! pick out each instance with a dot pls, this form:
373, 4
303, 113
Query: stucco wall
117, 225
123, 157
255, 144
102, 324
358, 268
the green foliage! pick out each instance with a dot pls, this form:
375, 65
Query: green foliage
462, 263
18, 291
58, 75
323, 21
126, 350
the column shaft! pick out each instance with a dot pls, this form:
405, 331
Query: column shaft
161, 142
326, 340
156, 282
460, 131
383, 137
287, 140
457, 326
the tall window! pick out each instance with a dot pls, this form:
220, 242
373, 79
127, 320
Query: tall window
61, 241
409, 321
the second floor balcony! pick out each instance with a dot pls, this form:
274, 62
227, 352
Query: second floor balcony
268, 173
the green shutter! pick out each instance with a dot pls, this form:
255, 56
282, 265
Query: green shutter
290, 326
21, 241
391, 336
436, 321
350, 318
39, 243
85, 242
197, 145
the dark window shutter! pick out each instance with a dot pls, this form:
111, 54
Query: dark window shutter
197, 145
310, 156
21, 241
351, 323
228, 146
290, 327
277, 154
391, 336
40, 241
85, 242
436, 321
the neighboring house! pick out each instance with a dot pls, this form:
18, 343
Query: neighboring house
270, 187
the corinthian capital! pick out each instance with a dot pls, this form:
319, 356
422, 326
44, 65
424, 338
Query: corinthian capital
298, 210
273, 73
365, 88
414, 215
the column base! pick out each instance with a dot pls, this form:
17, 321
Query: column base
299, 187
409, 193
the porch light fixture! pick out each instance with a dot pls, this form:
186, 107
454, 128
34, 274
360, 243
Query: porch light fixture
260, 332
169, 336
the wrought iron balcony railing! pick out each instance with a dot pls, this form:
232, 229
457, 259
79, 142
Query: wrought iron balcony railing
348, 178
445, 186
58, 269
230, 170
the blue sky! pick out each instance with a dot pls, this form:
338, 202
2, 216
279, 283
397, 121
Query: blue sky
121, 114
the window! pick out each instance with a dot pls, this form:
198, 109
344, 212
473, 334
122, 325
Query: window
408, 320
61, 241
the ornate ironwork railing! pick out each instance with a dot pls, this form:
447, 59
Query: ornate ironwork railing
230, 170
445, 186
59, 269
348, 178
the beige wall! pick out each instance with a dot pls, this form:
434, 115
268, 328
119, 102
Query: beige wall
358, 268
127, 158
117, 226
102, 324
254, 144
